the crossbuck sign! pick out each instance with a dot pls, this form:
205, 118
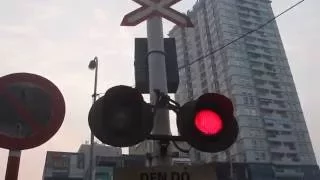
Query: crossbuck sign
151, 8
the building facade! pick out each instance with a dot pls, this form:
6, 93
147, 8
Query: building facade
253, 72
75, 166
63, 166
101, 172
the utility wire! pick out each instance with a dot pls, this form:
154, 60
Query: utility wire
242, 36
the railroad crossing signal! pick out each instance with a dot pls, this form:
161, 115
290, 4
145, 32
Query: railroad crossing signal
122, 118
151, 8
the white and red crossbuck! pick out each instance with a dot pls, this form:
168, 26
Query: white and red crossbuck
151, 8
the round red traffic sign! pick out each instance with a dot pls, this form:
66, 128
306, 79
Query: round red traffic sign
32, 110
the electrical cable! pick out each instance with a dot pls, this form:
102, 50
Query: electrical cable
242, 36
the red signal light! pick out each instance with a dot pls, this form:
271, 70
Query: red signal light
208, 122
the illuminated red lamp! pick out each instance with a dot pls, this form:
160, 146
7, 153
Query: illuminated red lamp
208, 122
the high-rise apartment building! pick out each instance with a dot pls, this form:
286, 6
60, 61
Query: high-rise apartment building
253, 72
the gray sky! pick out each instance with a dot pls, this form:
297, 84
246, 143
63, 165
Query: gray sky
57, 38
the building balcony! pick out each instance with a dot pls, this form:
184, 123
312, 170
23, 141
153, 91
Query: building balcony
259, 68
283, 138
271, 96
262, 68
275, 116
277, 97
282, 149
253, 13
263, 85
276, 128
262, 37
262, 60
274, 107
259, 76
249, 5
286, 161
288, 173
266, 77
260, 42
269, 86
250, 19
269, 106
248, 25
259, 51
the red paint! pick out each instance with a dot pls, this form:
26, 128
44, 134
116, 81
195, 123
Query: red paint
208, 122
13, 165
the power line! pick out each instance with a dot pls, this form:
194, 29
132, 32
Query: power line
242, 36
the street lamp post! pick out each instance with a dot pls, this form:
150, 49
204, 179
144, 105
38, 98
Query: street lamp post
93, 65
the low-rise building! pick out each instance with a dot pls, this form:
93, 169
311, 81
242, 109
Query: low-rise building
64, 166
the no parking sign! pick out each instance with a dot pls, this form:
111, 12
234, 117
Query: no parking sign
32, 110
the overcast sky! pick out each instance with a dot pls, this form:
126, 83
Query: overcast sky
57, 39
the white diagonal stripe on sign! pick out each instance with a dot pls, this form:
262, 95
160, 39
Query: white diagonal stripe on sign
165, 2
173, 15
140, 15
147, 2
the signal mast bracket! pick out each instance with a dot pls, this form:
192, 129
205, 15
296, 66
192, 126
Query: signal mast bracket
159, 137
164, 101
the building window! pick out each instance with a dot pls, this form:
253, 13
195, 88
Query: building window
245, 100
260, 156
269, 124
287, 126
294, 157
272, 134
205, 90
286, 133
204, 84
248, 98
290, 145
277, 156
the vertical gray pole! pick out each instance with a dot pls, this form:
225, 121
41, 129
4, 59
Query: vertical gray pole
158, 80
231, 163
94, 98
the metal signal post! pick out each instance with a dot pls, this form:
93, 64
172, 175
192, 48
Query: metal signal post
13, 165
158, 80
153, 11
